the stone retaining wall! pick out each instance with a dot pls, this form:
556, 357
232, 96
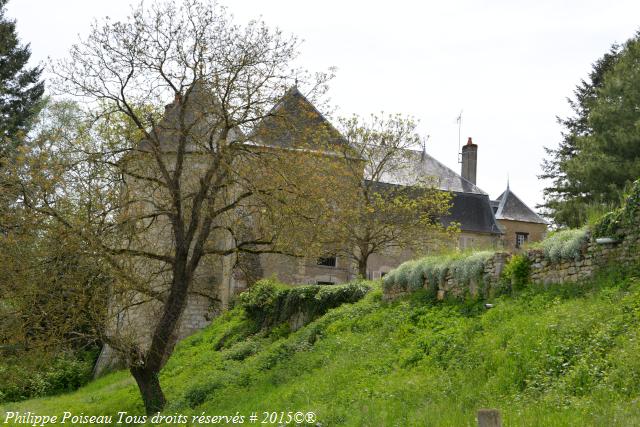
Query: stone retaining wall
624, 252
593, 256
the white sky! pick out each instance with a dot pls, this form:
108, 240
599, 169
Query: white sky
509, 65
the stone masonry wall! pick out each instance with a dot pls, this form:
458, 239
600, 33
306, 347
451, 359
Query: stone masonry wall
625, 252
594, 256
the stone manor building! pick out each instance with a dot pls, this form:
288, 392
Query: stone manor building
503, 223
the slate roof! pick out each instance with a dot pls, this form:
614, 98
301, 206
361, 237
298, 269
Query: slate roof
421, 166
200, 107
296, 122
510, 207
471, 210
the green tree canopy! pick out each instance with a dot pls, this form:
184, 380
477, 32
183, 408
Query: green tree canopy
600, 152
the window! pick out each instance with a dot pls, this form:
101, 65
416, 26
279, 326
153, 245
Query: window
521, 239
327, 261
320, 282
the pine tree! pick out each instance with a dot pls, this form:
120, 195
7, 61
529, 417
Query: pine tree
566, 199
20, 87
599, 156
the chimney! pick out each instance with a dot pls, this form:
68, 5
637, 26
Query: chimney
469, 161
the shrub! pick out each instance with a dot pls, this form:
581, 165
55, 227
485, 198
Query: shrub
435, 269
30, 376
470, 267
389, 280
271, 303
517, 271
198, 393
242, 350
565, 244
403, 273
611, 223
411, 275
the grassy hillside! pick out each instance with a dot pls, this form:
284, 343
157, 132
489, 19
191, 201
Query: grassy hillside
560, 356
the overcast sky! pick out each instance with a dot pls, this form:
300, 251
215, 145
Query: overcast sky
508, 65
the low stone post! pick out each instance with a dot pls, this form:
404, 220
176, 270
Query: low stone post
489, 418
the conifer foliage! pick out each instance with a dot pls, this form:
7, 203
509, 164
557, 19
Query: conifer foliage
599, 156
20, 86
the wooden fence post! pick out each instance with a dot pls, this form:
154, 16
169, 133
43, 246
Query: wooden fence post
489, 418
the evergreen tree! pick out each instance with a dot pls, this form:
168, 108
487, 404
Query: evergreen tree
20, 87
608, 158
568, 198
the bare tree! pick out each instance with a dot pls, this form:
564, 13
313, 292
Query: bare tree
166, 187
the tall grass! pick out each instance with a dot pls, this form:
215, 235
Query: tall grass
561, 356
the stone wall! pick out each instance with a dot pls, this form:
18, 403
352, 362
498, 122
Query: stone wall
476, 287
624, 251
449, 286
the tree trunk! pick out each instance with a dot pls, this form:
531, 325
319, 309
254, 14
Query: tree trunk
362, 266
150, 389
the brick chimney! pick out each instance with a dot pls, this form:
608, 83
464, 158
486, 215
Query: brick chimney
469, 161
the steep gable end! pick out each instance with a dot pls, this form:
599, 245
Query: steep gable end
514, 209
295, 123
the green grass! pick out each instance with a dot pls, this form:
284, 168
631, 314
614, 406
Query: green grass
565, 355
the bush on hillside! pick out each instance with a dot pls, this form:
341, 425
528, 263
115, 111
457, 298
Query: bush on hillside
565, 245
270, 303
612, 223
517, 271
469, 267
410, 276
27, 376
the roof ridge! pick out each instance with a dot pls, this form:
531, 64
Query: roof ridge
448, 168
503, 200
505, 195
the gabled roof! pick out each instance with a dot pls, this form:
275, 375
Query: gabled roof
199, 108
420, 166
512, 208
294, 122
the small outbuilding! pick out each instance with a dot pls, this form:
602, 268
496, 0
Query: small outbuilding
519, 223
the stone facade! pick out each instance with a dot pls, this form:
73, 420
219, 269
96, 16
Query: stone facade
535, 232
519, 223
307, 271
